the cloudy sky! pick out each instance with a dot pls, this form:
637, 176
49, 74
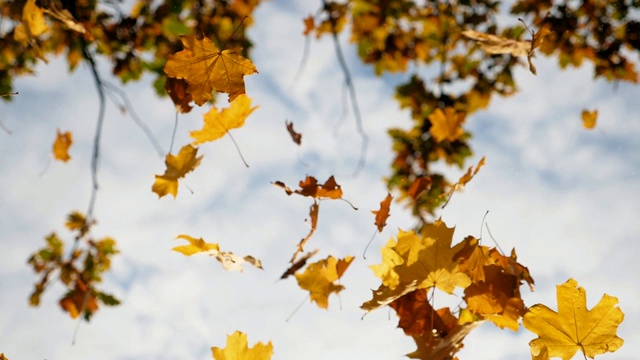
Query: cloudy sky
564, 197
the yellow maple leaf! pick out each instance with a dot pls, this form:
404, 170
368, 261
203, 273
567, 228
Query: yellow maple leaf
205, 68
238, 349
218, 122
32, 25
229, 260
589, 118
61, 146
319, 277
574, 327
446, 125
177, 167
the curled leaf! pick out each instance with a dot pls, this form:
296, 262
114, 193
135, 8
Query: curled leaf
177, 167
61, 146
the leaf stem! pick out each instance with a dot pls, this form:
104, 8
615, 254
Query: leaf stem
238, 149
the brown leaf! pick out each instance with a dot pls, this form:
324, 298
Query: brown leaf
417, 315
383, 214
298, 264
296, 137
313, 215
177, 90
310, 187
420, 185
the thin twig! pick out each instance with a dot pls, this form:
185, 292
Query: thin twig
303, 62
482, 223
96, 141
345, 110
364, 253
173, 134
352, 93
238, 149
297, 308
136, 118
494, 240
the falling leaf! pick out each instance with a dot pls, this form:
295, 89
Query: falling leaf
589, 118
308, 25
494, 44
417, 262
81, 298
205, 68
217, 123
65, 16
420, 185
319, 277
61, 146
543, 355
383, 214
574, 327
177, 90
177, 167
310, 187
464, 179
296, 137
2, 357
229, 260
238, 349
417, 315
313, 216
299, 264
446, 125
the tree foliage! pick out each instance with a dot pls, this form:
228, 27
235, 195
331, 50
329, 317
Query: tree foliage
196, 48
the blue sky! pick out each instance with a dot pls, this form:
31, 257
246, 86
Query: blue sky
564, 197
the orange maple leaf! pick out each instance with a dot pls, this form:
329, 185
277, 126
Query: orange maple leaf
81, 298
420, 185
177, 90
61, 146
218, 122
310, 187
417, 315
574, 327
238, 349
177, 167
205, 68
229, 260
589, 118
464, 179
446, 125
383, 214
319, 277
308, 25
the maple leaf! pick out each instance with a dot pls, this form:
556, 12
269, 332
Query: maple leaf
589, 118
417, 315
177, 90
574, 327
218, 122
296, 137
229, 260
81, 298
442, 344
417, 262
319, 277
177, 167
61, 146
446, 125
313, 215
419, 185
2, 357
383, 214
32, 25
310, 187
205, 68
308, 25
238, 349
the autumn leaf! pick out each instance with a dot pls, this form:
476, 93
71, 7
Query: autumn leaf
229, 260
417, 262
2, 357
218, 122
32, 25
589, 118
383, 214
446, 125
177, 167
574, 327
310, 187
65, 16
319, 277
177, 90
299, 264
313, 216
417, 315
308, 25
81, 298
61, 146
296, 137
238, 349
464, 179
419, 185
494, 44
205, 68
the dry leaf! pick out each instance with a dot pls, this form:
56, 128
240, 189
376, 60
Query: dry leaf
238, 349
229, 260
61, 146
205, 68
298, 264
446, 125
319, 277
177, 167
589, 118
177, 90
218, 122
383, 214
296, 137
